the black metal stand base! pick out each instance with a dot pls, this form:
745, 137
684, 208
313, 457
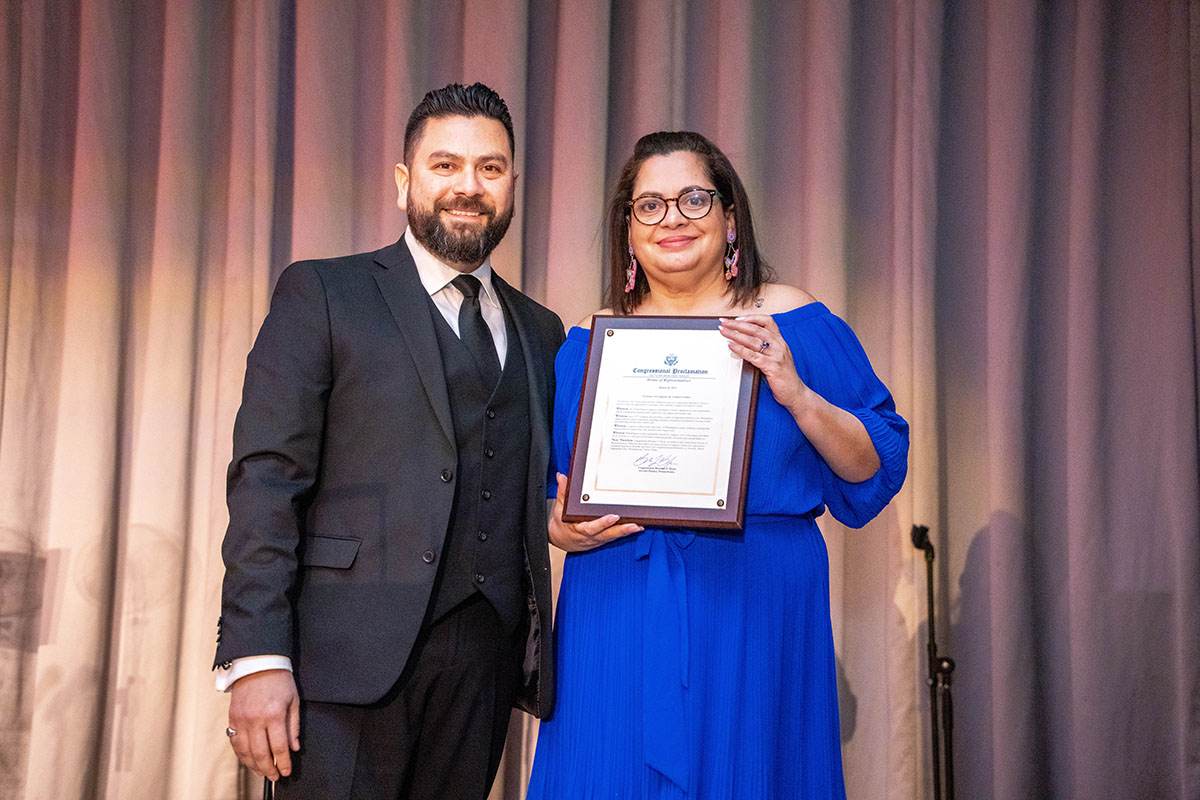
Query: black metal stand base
941, 668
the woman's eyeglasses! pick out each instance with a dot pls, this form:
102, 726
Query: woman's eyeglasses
650, 209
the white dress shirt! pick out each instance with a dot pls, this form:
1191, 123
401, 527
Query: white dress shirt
436, 277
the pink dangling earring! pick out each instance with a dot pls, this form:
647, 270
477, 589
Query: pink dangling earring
630, 272
731, 259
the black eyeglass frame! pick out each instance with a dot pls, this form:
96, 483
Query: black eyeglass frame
713, 197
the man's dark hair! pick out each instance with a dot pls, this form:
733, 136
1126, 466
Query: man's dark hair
753, 269
456, 100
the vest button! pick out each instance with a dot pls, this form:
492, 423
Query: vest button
447, 476
491, 413
489, 452
482, 535
485, 494
428, 556
480, 577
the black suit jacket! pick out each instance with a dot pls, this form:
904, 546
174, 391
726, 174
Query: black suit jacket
342, 479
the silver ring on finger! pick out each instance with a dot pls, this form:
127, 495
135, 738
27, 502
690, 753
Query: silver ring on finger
230, 732
762, 347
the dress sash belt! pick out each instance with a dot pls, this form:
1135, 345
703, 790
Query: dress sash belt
665, 724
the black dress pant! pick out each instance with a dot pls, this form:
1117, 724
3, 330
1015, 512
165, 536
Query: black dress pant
437, 735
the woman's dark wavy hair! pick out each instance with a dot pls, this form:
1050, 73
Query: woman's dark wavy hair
753, 271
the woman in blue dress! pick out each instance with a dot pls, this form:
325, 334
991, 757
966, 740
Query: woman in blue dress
699, 664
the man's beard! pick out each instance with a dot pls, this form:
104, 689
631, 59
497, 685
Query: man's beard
469, 245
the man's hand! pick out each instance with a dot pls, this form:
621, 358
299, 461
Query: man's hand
264, 709
574, 537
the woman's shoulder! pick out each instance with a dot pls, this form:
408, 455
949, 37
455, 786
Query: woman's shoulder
778, 298
586, 322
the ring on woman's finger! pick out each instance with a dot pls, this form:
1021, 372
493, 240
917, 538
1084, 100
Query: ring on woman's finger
230, 732
764, 345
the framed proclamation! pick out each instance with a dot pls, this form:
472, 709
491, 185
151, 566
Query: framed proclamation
665, 424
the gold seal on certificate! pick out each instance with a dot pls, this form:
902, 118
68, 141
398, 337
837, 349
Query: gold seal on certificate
665, 425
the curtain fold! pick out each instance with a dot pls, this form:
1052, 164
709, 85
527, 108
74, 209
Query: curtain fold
1000, 197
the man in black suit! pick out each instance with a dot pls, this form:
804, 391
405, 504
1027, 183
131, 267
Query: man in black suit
387, 589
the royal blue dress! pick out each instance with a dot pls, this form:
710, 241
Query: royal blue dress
701, 665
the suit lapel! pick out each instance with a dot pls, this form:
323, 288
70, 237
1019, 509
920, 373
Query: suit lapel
406, 299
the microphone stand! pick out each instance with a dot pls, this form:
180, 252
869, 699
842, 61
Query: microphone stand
940, 669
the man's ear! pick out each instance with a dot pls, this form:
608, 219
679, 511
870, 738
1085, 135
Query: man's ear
402, 187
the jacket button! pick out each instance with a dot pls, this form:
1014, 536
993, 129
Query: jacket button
226, 665
480, 577
491, 413
482, 536
428, 556
447, 476
489, 452
486, 495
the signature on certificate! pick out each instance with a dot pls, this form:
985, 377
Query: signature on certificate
655, 462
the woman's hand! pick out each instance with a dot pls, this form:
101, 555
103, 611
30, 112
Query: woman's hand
575, 537
838, 435
756, 338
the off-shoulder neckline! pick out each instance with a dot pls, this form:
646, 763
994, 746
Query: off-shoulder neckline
789, 317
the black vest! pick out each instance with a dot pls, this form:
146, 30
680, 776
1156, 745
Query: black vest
485, 542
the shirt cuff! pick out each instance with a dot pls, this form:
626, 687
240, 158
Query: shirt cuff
241, 667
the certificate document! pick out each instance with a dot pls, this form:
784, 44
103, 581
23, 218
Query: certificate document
664, 425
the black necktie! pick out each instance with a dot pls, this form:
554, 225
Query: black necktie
474, 331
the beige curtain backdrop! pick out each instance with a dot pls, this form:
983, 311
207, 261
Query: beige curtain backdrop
1001, 196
